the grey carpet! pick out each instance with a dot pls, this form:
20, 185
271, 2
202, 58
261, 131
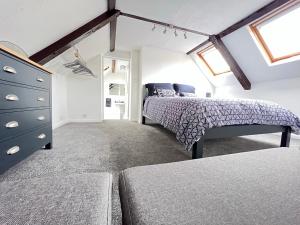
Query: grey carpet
79, 199
116, 145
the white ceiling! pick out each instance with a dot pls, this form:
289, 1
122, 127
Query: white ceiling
210, 16
34, 24
134, 34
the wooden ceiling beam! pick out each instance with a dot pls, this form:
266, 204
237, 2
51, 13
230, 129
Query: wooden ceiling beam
113, 26
113, 66
234, 66
254, 16
251, 18
111, 4
66, 42
199, 46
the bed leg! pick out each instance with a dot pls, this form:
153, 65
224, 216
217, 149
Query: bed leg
143, 120
286, 137
197, 152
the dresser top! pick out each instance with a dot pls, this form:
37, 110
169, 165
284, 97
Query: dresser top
19, 56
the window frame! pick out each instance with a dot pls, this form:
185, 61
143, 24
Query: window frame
207, 64
261, 41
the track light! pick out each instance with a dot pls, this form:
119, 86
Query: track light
165, 30
171, 27
154, 27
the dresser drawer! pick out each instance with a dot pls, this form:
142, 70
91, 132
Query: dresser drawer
14, 123
15, 150
13, 70
14, 97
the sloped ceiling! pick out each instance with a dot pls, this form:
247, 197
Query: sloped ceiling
211, 17
34, 24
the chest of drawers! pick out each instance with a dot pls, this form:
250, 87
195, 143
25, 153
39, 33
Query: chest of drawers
25, 108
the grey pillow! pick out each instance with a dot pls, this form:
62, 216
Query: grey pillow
165, 92
187, 94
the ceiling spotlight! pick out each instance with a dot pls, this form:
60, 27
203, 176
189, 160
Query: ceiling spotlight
175, 33
165, 30
185, 36
154, 26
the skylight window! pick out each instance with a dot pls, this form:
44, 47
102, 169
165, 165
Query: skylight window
279, 32
214, 61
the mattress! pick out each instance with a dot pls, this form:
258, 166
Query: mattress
188, 118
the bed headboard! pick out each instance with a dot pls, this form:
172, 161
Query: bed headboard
179, 88
151, 87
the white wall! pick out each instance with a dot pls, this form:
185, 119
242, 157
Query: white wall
135, 82
59, 100
84, 101
164, 66
284, 92
59, 92
276, 82
84, 95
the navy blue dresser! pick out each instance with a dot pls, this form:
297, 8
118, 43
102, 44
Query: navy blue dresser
25, 108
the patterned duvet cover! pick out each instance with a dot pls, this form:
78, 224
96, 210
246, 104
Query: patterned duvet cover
188, 118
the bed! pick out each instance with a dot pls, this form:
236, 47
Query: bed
195, 119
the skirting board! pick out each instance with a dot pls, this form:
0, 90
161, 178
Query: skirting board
84, 121
59, 124
62, 123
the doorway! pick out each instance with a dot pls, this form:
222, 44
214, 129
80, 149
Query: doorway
116, 89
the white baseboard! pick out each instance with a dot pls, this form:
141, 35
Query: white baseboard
59, 124
84, 121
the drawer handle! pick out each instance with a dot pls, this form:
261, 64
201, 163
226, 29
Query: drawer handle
40, 99
42, 136
9, 69
41, 118
12, 97
12, 124
13, 150
40, 79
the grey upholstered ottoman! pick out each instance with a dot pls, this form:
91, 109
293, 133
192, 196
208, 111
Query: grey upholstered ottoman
261, 187
76, 199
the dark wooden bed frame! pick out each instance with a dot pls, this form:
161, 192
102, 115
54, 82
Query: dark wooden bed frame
235, 131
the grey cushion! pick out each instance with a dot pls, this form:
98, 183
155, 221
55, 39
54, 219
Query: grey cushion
75, 199
261, 187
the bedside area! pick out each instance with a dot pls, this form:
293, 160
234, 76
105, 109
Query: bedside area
25, 108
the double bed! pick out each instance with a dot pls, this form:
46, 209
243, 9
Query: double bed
195, 119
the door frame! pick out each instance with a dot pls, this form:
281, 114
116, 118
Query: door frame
129, 91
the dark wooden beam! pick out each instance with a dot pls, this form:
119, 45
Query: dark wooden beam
163, 24
58, 47
251, 18
111, 4
113, 66
254, 16
199, 46
113, 34
235, 68
113, 26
